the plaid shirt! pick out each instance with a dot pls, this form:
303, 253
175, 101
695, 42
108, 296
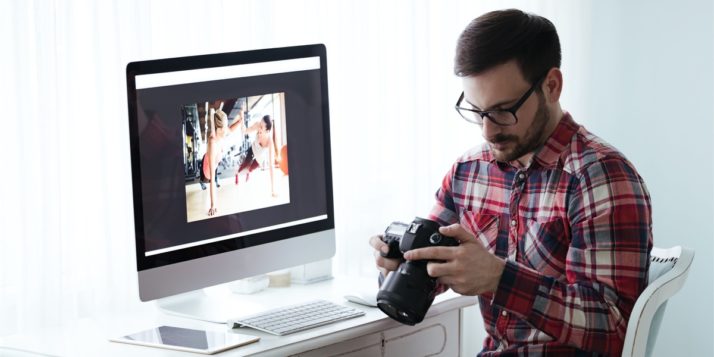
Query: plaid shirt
575, 230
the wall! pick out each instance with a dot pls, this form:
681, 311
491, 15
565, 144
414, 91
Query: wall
650, 95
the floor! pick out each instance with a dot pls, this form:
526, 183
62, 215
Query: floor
232, 198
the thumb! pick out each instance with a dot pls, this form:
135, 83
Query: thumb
457, 232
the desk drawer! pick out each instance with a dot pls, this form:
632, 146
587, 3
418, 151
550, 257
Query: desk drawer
364, 346
436, 336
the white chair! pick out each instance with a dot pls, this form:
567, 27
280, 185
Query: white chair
668, 271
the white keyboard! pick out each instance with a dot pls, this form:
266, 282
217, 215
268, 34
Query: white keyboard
294, 318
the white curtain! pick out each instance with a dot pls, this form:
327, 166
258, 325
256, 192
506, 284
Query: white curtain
66, 249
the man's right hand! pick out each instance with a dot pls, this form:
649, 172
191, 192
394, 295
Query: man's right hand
384, 265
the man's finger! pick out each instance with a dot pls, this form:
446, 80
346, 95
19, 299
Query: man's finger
430, 253
457, 232
377, 243
387, 264
438, 269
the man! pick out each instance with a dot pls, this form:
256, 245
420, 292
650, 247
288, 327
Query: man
554, 224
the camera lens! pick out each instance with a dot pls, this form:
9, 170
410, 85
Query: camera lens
394, 311
407, 293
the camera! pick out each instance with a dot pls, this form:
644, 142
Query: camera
407, 293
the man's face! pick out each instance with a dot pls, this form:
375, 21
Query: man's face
500, 88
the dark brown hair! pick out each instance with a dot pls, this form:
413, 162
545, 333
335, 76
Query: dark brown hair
500, 36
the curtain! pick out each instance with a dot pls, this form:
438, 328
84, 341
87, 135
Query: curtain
67, 248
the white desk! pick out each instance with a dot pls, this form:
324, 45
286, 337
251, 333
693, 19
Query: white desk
373, 334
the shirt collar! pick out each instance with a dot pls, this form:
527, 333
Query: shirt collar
548, 155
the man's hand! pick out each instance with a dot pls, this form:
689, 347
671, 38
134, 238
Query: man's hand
384, 265
468, 269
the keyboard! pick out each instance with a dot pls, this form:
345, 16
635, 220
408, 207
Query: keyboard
290, 319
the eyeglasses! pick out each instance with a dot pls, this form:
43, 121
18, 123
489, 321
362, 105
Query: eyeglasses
502, 117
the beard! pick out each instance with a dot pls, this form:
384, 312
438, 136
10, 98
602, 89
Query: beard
533, 138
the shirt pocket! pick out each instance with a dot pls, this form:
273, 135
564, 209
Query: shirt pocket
544, 246
484, 226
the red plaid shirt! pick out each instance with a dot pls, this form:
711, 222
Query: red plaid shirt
575, 230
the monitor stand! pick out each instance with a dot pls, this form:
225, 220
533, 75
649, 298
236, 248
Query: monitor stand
215, 304
228, 301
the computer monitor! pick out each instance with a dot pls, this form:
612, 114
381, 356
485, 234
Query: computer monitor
231, 168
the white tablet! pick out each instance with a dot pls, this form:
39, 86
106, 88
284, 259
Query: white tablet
183, 339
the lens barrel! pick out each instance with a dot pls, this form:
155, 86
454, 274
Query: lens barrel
407, 293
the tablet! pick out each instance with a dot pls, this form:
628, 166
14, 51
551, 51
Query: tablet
189, 340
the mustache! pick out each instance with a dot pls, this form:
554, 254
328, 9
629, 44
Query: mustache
501, 138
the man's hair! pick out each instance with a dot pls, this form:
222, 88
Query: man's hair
497, 37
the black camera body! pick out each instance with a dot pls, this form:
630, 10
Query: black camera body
407, 293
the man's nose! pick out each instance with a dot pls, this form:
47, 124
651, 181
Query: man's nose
489, 129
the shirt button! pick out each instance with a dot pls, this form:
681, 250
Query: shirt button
521, 176
504, 313
513, 223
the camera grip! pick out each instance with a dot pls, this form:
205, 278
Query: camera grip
394, 252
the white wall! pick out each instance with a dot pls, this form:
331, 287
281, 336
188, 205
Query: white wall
651, 96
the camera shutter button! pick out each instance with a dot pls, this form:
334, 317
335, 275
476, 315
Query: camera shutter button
435, 238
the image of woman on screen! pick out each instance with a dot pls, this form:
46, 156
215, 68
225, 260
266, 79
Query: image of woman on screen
217, 120
263, 149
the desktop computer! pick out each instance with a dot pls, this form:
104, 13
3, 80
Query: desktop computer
231, 169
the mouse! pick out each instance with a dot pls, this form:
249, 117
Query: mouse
362, 298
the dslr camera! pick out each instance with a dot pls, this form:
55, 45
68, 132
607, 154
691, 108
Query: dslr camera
407, 293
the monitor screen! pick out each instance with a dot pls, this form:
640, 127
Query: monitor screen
230, 156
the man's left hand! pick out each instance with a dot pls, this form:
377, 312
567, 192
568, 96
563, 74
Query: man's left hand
468, 269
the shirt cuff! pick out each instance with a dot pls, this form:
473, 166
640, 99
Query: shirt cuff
517, 289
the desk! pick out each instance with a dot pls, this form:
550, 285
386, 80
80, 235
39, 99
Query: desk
373, 334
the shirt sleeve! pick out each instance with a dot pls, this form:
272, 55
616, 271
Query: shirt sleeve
607, 264
444, 210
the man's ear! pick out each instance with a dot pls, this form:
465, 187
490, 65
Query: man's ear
553, 85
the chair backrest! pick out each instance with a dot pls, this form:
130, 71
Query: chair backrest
667, 273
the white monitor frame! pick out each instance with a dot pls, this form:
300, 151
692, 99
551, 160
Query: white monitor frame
163, 275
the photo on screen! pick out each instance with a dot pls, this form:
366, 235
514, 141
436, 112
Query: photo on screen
235, 155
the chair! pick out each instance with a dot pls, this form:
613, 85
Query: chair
667, 273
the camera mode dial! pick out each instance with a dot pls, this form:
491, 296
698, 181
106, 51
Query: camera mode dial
435, 238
